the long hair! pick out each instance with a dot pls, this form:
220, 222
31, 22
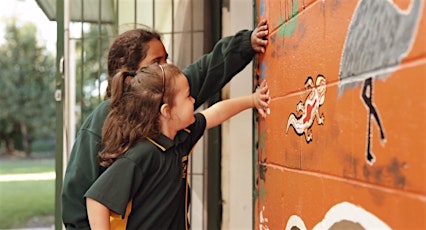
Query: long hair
135, 108
127, 51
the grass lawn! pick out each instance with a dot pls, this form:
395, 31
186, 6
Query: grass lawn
25, 200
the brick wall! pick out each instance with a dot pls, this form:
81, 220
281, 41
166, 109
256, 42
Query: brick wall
345, 144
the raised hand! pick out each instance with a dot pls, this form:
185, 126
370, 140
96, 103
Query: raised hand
261, 99
258, 37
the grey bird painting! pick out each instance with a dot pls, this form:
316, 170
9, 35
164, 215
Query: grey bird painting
379, 36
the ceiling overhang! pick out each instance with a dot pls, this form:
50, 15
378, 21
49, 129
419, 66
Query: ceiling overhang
82, 11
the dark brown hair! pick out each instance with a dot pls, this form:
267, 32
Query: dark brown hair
135, 108
127, 51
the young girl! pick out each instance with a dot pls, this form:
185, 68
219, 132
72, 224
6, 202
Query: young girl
150, 130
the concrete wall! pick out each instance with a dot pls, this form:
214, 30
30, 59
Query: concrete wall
345, 144
237, 133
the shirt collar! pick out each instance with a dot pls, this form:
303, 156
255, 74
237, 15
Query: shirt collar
164, 143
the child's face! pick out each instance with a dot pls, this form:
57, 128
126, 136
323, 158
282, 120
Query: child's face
182, 112
156, 53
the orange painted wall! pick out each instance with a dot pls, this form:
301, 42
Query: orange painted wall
345, 143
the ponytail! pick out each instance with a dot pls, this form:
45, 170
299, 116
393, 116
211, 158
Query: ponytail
120, 84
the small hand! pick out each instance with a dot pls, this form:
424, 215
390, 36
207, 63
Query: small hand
261, 99
258, 37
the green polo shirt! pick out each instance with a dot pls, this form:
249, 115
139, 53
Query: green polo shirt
152, 175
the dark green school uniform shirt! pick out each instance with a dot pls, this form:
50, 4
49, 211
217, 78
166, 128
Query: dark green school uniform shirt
152, 175
206, 77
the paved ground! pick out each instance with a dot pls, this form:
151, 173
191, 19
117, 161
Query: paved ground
39, 223
28, 177
51, 228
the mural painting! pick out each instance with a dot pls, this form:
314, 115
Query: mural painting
308, 110
335, 218
345, 149
379, 37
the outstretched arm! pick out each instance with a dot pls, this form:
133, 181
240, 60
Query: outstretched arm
223, 110
229, 56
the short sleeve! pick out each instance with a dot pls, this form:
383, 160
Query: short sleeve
196, 129
114, 187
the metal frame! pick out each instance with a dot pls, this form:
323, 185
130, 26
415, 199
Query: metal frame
65, 125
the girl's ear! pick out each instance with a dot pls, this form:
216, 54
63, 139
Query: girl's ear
165, 110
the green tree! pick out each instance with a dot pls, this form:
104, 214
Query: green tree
26, 88
91, 67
